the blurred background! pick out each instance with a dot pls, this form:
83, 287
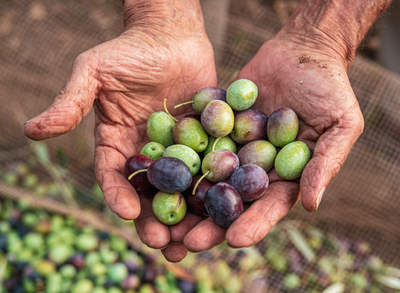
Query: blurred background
51, 235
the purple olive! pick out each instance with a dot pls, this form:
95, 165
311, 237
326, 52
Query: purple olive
251, 181
131, 282
77, 260
202, 97
223, 204
139, 181
195, 202
250, 125
169, 174
220, 164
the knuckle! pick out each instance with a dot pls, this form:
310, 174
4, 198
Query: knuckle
358, 123
336, 166
361, 125
82, 58
85, 59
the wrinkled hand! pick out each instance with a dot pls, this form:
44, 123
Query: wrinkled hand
126, 80
315, 85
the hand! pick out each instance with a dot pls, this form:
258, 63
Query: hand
167, 55
313, 82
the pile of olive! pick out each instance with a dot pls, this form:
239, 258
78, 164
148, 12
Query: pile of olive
224, 124
49, 253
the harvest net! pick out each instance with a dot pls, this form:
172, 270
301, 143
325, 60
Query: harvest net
355, 228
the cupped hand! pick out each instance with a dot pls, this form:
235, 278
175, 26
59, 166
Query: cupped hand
314, 83
126, 80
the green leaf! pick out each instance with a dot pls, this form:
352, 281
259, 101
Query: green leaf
301, 244
3, 265
391, 282
334, 288
62, 158
42, 152
390, 271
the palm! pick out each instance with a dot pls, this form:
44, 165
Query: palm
127, 80
316, 87
135, 75
131, 99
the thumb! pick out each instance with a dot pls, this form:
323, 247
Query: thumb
330, 153
70, 106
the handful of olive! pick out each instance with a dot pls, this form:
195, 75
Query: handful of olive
171, 158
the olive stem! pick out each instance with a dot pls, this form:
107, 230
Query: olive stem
166, 110
215, 143
183, 104
198, 181
137, 172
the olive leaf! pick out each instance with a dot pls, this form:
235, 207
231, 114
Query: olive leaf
334, 288
300, 243
393, 272
42, 152
391, 282
3, 265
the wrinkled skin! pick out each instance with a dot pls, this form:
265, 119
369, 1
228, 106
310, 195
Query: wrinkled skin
127, 80
331, 121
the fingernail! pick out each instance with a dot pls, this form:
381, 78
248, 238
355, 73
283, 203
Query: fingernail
27, 122
318, 201
157, 248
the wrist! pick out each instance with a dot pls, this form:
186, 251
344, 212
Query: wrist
332, 27
164, 15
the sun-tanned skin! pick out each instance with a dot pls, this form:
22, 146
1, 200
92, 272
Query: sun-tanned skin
165, 53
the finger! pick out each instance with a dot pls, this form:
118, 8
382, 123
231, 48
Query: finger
255, 223
274, 177
151, 232
174, 252
118, 193
70, 106
204, 236
179, 230
329, 155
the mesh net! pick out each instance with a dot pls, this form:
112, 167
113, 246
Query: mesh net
39, 41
